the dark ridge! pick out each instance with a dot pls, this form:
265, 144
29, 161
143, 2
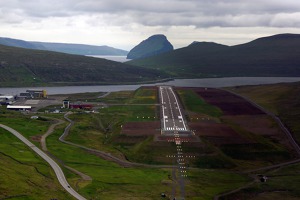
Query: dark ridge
272, 56
20, 67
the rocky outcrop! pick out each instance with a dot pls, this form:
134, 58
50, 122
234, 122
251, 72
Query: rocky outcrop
154, 45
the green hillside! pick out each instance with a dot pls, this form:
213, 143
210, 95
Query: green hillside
26, 67
271, 56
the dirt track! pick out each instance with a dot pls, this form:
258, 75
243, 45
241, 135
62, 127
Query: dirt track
44, 148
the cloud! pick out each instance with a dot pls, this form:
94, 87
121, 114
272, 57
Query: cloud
78, 20
204, 13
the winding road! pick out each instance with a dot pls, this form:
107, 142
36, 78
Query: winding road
44, 148
58, 171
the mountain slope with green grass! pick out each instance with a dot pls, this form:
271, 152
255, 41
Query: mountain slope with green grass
26, 67
275, 56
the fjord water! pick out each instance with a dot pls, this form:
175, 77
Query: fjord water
206, 82
113, 58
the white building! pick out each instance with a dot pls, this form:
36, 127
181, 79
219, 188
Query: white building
21, 108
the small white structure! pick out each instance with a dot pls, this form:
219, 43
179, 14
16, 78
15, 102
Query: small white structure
21, 108
66, 104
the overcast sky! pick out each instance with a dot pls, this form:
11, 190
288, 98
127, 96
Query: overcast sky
125, 23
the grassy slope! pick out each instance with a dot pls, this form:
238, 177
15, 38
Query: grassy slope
282, 183
263, 152
23, 174
273, 56
193, 102
111, 181
19, 67
281, 99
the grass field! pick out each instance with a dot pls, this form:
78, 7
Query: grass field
282, 183
22, 123
145, 95
117, 97
89, 96
207, 183
109, 180
100, 130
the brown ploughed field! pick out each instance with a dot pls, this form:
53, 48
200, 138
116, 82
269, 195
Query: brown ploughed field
229, 103
218, 133
240, 120
141, 128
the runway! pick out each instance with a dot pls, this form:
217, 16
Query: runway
172, 118
173, 124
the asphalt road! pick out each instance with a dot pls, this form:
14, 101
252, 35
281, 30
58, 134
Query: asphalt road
59, 173
172, 118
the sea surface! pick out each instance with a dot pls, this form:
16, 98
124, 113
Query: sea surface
206, 82
113, 58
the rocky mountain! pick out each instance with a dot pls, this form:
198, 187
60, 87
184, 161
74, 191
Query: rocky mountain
276, 55
154, 45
